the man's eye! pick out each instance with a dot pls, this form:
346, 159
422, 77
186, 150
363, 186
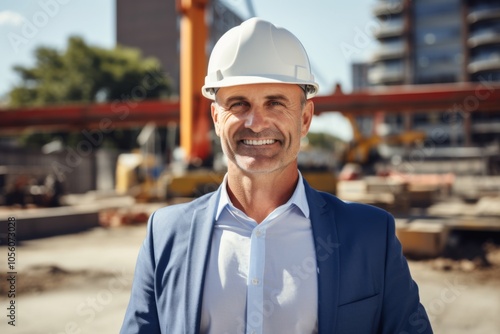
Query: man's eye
275, 103
239, 106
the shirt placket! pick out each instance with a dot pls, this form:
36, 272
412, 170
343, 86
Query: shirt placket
255, 282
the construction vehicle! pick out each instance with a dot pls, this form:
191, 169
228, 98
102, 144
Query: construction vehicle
363, 149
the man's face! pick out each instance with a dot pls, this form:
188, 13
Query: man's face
260, 125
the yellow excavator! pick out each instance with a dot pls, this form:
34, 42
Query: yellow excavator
361, 148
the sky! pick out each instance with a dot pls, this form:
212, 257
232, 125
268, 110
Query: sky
335, 33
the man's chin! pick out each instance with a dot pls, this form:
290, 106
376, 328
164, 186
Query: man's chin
258, 165
254, 165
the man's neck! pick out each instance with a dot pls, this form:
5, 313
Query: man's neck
259, 194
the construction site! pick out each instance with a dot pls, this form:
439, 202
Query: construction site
428, 152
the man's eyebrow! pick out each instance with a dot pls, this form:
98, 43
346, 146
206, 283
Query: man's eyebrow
278, 97
232, 99
239, 98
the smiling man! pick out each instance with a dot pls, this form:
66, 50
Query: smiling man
260, 126
266, 253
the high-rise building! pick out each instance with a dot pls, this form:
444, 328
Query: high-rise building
153, 27
439, 41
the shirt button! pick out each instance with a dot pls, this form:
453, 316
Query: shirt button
258, 233
255, 281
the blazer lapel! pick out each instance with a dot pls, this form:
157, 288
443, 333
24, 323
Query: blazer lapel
197, 257
327, 257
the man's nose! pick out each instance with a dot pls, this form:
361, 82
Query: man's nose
257, 119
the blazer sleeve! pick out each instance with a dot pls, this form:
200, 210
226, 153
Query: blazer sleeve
402, 311
141, 315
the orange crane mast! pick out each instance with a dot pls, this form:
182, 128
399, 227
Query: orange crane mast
194, 116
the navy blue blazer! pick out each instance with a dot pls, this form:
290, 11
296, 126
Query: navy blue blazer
364, 282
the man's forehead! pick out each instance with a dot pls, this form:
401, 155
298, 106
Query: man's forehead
264, 91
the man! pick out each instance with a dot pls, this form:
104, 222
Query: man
266, 253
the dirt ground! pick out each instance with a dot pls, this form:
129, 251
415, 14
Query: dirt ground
80, 283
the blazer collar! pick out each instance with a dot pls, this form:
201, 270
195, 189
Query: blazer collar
327, 257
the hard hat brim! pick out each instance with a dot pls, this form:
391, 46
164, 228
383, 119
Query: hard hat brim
209, 90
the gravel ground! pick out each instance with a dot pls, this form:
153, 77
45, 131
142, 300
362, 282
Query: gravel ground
80, 283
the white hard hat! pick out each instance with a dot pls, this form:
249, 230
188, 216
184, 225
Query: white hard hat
258, 52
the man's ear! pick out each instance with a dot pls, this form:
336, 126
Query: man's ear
307, 115
215, 117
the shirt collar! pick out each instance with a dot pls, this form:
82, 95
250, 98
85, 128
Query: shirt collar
298, 198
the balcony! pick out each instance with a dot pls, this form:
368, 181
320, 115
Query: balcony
385, 8
485, 37
393, 51
490, 63
482, 14
382, 75
392, 28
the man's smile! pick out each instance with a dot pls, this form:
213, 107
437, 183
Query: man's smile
259, 142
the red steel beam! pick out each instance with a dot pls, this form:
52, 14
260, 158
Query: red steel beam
470, 97
90, 116
466, 97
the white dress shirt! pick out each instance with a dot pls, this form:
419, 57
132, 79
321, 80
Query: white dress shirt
261, 278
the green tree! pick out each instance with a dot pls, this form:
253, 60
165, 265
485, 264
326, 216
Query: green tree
87, 74
84, 73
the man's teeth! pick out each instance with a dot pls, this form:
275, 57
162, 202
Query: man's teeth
259, 142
